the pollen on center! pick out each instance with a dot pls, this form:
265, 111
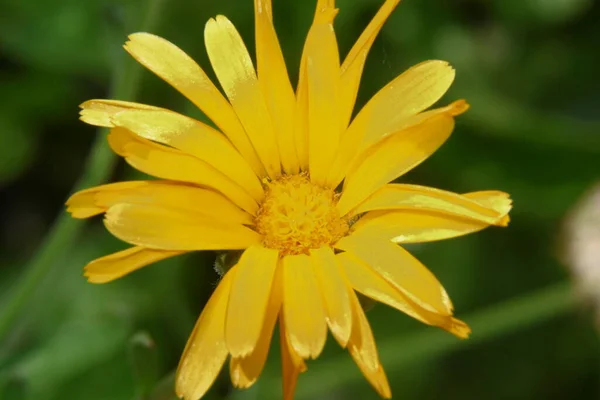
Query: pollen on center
297, 216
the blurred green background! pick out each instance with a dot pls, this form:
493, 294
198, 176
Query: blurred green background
529, 69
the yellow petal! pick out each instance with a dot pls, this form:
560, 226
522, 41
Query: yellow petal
194, 138
354, 62
410, 93
324, 14
386, 113
335, 293
342, 164
249, 299
323, 66
245, 371
426, 223
409, 226
368, 282
291, 363
168, 163
175, 67
301, 118
496, 200
323, 5
233, 66
116, 265
93, 201
100, 112
97, 200
392, 157
422, 199
276, 86
453, 109
364, 352
169, 229
401, 269
205, 351
303, 308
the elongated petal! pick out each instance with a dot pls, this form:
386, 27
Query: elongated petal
392, 157
410, 93
324, 14
301, 117
427, 199
354, 62
386, 113
233, 66
168, 194
368, 282
303, 308
168, 163
175, 67
364, 352
324, 129
409, 226
100, 112
291, 363
249, 299
335, 293
275, 83
400, 269
342, 162
116, 265
426, 223
453, 109
205, 352
245, 371
194, 138
168, 229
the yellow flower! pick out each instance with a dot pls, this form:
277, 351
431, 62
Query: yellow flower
289, 178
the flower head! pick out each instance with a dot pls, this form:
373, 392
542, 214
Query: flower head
289, 178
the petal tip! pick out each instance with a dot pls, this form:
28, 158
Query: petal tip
86, 104
504, 221
221, 18
136, 35
208, 27
140, 36
239, 351
459, 329
459, 107
95, 279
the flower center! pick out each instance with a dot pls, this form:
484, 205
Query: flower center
297, 216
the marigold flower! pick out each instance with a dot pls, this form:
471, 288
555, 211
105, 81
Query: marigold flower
289, 178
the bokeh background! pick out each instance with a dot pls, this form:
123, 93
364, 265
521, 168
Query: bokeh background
529, 69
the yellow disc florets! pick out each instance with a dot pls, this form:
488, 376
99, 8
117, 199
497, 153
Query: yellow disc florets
297, 216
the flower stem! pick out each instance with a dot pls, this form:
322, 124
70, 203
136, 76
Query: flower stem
99, 166
488, 324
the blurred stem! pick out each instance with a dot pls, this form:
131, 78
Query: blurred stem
496, 321
99, 166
